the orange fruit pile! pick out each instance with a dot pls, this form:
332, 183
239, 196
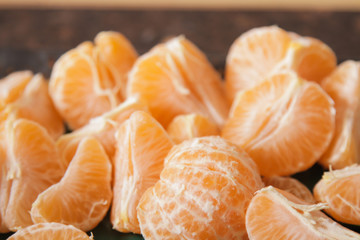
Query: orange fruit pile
170, 151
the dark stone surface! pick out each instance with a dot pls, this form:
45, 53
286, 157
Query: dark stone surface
33, 39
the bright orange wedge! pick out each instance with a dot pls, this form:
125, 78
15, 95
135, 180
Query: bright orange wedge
276, 214
83, 195
91, 78
290, 185
343, 86
340, 190
142, 145
176, 78
260, 52
185, 127
284, 123
31, 165
47, 231
24, 95
103, 128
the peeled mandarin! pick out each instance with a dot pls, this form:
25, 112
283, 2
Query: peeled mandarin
203, 192
260, 52
285, 123
91, 79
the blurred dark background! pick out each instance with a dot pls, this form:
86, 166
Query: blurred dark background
34, 39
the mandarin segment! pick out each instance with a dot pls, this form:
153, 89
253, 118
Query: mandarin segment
53, 231
291, 185
142, 145
260, 52
276, 214
20, 92
3, 183
340, 190
343, 86
185, 127
83, 195
284, 123
12, 86
31, 165
91, 78
103, 128
176, 78
203, 192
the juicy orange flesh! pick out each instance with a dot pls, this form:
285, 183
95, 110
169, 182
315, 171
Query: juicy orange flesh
185, 127
32, 165
45, 231
341, 194
85, 186
118, 56
20, 92
203, 200
270, 118
142, 145
260, 52
290, 185
271, 210
169, 78
343, 86
252, 56
36, 94
97, 73
102, 128
13, 85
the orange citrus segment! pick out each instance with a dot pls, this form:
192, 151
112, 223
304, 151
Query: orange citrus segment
343, 86
102, 128
185, 127
284, 123
203, 192
142, 145
90, 79
176, 78
340, 190
276, 214
31, 166
290, 185
313, 60
13, 85
3, 183
24, 95
118, 56
83, 195
263, 51
53, 231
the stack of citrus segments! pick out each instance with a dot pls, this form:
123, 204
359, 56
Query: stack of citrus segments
171, 151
